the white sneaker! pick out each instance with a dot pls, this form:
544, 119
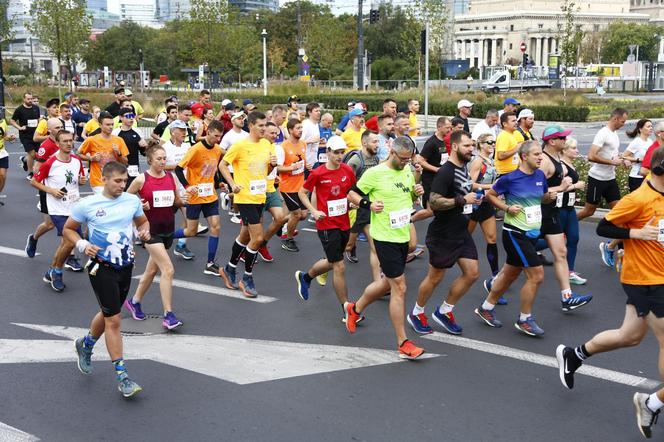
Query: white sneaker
574, 278
235, 219
223, 196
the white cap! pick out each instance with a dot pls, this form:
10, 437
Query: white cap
464, 103
336, 143
225, 101
525, 113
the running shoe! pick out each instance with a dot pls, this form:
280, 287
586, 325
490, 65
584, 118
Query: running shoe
607, 254
84, 356
183, 252
544, 260
171, 321
264, 253
351, 256
31, 246
202, 230
235, 219
568, 363
322, 279
575, 301
357, 321
408, 350
57, 283
284, 233
448, 322
229, 275
134, 309
211, 268
29, 176
289, 245
24, 163
576, 279
488, 316
645, 418
529, 327
362, 237
47, 276
127, 386
247, 286
487, 286
72, 263
225, 200
420, 323
302, 285
351, 317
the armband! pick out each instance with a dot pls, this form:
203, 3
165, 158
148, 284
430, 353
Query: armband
365, 203
82, 244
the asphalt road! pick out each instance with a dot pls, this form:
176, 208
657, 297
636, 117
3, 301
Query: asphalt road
288, 370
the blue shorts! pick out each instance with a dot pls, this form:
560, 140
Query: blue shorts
273, 199
4, 163
208, 209
59, 223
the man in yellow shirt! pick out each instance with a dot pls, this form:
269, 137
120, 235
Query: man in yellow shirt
525, 121
413, 109
507, 147
53, 111
352, 136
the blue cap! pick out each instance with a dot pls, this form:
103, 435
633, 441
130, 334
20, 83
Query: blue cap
246, 102
511, 100
355, 112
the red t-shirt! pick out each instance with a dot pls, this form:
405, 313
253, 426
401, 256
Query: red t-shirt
372, 124
446, 139
198, 108
46, 150
332, 187
648, 156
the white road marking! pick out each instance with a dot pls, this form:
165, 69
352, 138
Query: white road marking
307, 229
547, 361
11, 434
15, 252
215, 290
237, 360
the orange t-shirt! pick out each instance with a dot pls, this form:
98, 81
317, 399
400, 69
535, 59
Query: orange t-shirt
642, 263
201, 164
104, 146
291, 182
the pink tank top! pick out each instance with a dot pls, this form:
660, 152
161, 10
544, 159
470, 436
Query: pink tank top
160, 194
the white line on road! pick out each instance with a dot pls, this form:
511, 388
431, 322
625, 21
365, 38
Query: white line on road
215, 290
11, 434
307, 229
15, 252
547, 361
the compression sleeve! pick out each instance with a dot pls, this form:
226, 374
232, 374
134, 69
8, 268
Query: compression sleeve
609, 230
179, 172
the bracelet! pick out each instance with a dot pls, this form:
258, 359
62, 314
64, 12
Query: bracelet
82, 244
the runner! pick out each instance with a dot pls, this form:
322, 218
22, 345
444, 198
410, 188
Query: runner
159, 195
252, 159
109, 215
506, 154
231, 137
637, 150
331, 182
390, 190
413, 109
311, 133
208, 117
448, 239
4, 156
59, 178
637, 220
135, 144
524, 191
92, 128
25, 118
171, 115
385, 135
353, 133
52, 111
389, 108
525, 122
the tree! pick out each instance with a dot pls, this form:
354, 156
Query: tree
126, 39
63, 27
6, 22
591, 46
435, 13
396, 35
569, 34
618, 36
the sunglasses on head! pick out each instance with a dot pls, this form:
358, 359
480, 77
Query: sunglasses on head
129, 115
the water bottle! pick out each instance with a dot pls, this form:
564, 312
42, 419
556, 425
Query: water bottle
479, 193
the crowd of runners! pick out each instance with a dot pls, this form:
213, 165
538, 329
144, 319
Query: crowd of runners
358, 181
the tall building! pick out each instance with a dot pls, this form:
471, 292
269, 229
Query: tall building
97, 5
655, 9
253, 5
143, 12
167, 10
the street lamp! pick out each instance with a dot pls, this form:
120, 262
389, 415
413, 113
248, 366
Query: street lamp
264, 35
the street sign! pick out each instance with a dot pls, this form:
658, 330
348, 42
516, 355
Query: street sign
523, 46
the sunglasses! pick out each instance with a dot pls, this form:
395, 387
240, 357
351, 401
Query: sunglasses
129, 116
560, 138
490, 143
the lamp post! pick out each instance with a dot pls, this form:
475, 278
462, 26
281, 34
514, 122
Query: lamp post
264, 35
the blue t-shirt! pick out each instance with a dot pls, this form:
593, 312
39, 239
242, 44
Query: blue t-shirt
110, 225
325, 133
344, 122
80, 117
526, 191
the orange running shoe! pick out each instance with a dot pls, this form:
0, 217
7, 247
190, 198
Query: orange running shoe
408, 350
351, 317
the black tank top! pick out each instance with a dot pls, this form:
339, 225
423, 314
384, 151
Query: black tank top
572, 173
555, 181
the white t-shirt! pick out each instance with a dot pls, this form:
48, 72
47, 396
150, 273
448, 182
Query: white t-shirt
69, 125
609, 145
638, 148
281, 157
231, 138
58, 174
174, 155
482, 128
311, 130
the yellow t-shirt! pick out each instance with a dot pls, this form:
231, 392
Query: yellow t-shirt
414, 127
42, 128
98, 144
506, 141
3, 132
138, 108
520, 138
250, 163
353, 138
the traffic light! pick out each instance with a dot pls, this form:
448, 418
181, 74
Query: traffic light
369, 57
525, 60
374, 15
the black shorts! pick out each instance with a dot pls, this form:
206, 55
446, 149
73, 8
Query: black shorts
250, 214
392, 257
597, 189
110, 285
292, 201
43, 207
334, 243
4, 163
550, 223
483, 212
520, 249
29, 145
632, 182
445, 252
161, 238
193, 211
362, 219
646, 299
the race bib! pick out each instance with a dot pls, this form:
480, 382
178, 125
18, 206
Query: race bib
337, 207
71, 196
400, 218
205, 189
33, 123
443, 158
322, 158
163, 198
515, 159
660, 237
299, 168
559, 199
467, 209
533, 214
571, 199
257, 187
132, 171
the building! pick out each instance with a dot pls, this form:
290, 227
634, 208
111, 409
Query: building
491, 32
253, 5
141, 12
655, 9
167, 10
97, 5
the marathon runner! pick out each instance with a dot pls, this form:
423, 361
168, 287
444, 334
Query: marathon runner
135, 144
4, 156
26, 118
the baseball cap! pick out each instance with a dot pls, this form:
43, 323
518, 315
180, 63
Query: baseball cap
128, 92
525, 113
336, 143
225, 101
511, 100
293, 98
229, 106
355, 112
247, 102
464, 103
178, 124
554, 131
361, 106
83, 101
351, 104
237, 115
119, 90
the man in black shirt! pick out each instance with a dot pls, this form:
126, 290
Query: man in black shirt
465, 108
26, 119
114, 108
171, 115
448, 240
81, 117
132, 139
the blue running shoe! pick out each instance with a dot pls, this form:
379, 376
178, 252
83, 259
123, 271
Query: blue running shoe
47, 276
84, 356
31, 246
128, 387
362, 237
529, 327
447, 321
575, 301
302, 285
72, 263
134, 309
170, 321
56, 280
247, 286
420, 323
501, 301
607, 254
183, 252
488, 316
487, 285
229, 275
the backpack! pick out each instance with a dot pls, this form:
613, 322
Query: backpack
349, 155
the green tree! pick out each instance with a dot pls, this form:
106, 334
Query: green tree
618, 36
569, 34
331, 43
126, 39
6, 22
434, 12
396, 35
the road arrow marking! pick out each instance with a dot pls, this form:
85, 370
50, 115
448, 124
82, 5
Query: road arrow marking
14, 252
237, 360
11, 434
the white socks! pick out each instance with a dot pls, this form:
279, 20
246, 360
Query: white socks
445, 308
486, 305
417, 310
653, 403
